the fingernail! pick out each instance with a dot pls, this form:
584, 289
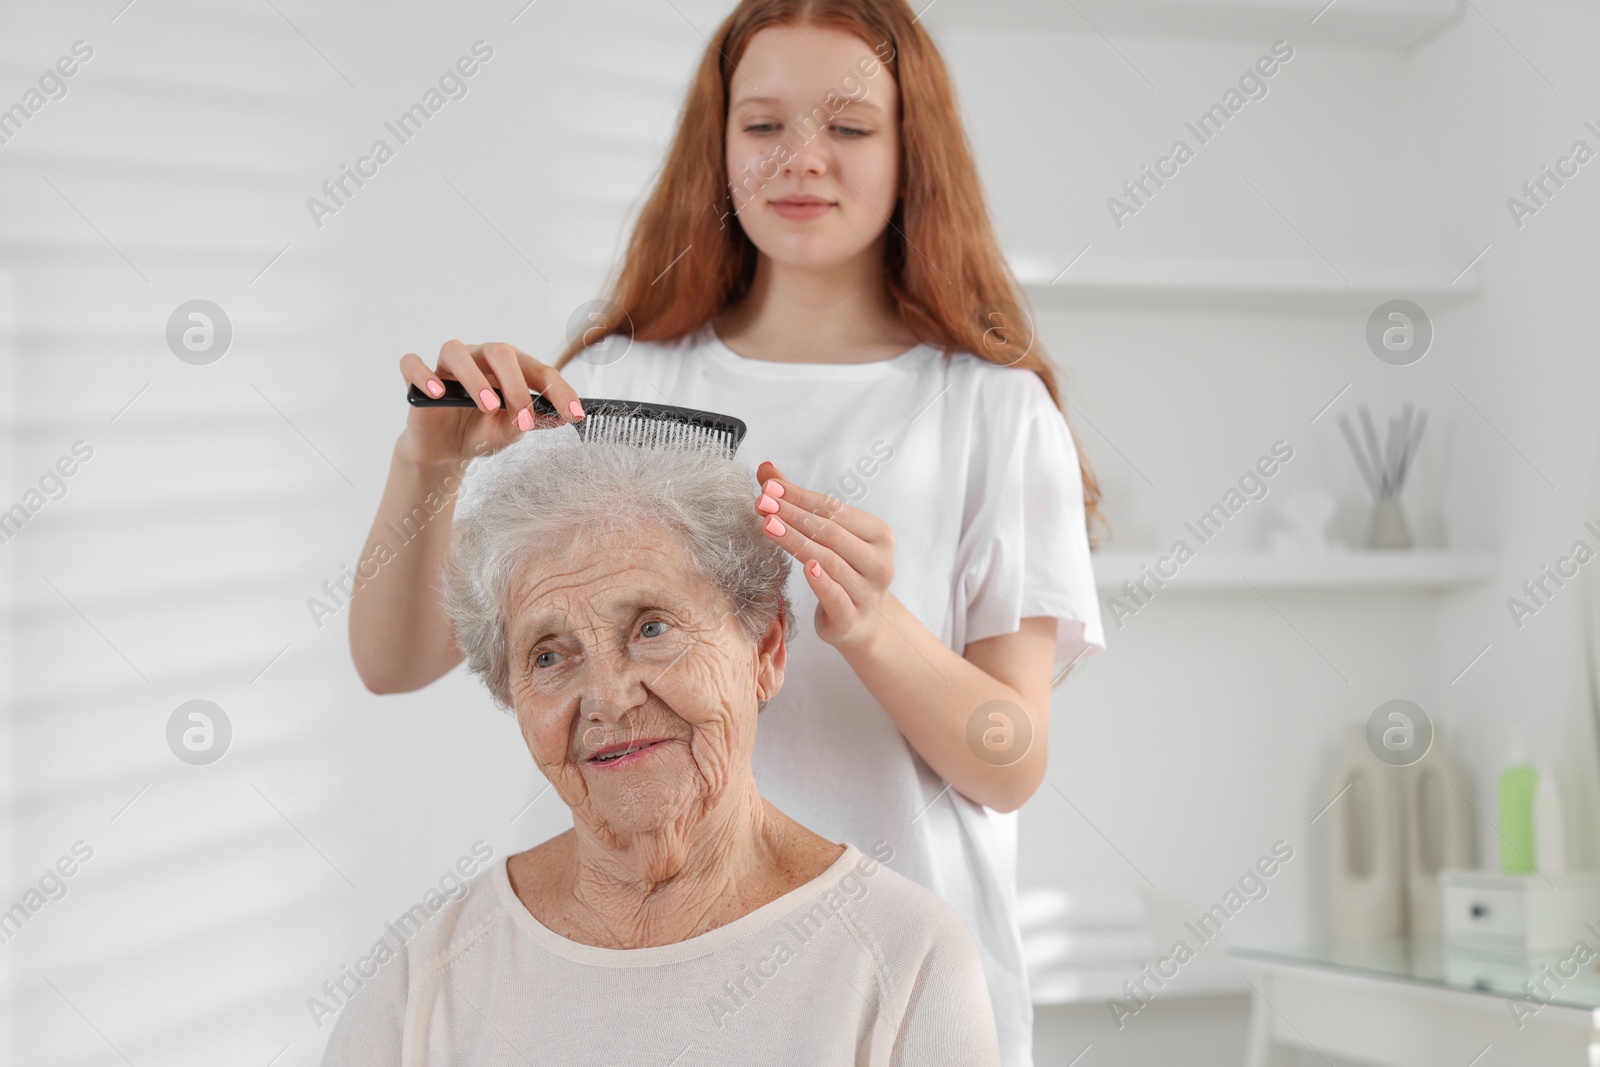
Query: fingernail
576, 409
490, 401
775, 527
524, 420
767, 504
773, 488
815, 568
434, 389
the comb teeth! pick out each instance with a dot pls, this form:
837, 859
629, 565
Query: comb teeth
651, 433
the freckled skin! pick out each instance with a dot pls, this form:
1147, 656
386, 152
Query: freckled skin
617, 638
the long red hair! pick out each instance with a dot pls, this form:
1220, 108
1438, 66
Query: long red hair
954, 288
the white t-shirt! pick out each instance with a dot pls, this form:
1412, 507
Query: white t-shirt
858, 966
974, 469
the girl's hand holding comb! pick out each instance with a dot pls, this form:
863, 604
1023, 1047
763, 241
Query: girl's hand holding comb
440, 435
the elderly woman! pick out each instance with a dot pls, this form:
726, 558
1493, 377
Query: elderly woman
623, 604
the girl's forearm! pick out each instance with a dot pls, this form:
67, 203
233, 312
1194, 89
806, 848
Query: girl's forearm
931, 693
400, 637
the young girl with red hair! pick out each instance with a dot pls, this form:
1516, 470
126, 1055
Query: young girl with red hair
817, 260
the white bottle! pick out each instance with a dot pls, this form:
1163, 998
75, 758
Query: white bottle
1363, 826
1549, 826
1441, 832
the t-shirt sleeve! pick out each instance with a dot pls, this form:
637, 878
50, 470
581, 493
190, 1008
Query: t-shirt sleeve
1024, 549
369, 1029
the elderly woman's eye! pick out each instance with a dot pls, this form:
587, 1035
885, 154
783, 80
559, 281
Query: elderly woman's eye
645, 630
542, 659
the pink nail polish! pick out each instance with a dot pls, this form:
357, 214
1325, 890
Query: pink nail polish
576, 409
525, 420
434, 389
490, 401
815, 569
773, 488
767, 504
775, 527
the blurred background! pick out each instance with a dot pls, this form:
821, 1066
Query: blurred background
213, 499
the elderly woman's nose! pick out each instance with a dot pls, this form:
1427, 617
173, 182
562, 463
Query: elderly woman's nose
611, 688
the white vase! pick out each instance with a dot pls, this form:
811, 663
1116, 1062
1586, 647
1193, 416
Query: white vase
1388, 528
1441, 831
1363, 834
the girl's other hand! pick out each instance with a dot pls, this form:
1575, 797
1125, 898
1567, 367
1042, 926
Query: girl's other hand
847, 555
437, 435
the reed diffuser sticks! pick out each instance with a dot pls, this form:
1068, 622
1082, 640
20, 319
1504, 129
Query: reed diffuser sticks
1384, 469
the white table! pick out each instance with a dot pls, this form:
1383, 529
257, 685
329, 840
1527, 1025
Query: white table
1417, 1003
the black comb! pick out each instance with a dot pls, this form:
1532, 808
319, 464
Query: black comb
628, 421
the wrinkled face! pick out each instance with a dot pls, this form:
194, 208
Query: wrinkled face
619, 648
812, 113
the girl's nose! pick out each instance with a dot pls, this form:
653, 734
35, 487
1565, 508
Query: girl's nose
806, 161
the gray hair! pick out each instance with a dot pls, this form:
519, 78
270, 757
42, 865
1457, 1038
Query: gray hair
536, 497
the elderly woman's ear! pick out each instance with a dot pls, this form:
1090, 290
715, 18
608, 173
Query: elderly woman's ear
772, 654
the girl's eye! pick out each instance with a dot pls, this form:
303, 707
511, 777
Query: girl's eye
543, 661
851, 130
760, 127
645, 629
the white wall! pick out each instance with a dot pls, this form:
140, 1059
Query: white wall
1203, 735
1207, 731
1208, 728
1526, 356
166, 173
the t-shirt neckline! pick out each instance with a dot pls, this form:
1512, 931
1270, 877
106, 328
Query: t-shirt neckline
656, 955
726, 357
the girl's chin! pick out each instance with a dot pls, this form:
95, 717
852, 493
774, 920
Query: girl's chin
807, 252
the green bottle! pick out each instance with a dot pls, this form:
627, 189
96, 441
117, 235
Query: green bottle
1518, 783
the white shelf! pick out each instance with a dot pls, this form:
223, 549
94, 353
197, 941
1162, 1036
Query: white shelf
1424, 569
1288, 283
1392, 24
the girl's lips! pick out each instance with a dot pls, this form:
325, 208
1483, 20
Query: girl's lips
636, 755
790, 209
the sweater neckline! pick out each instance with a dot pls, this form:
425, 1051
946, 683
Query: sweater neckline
657, 955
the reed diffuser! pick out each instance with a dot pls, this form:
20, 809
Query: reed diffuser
1384, 470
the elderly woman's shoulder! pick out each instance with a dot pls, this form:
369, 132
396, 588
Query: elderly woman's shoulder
370, 995
896, 911
462, 902
445, 920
